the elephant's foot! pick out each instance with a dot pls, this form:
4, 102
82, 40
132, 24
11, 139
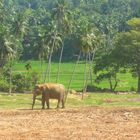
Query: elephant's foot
57, 107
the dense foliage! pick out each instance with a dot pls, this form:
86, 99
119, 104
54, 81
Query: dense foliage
44, 29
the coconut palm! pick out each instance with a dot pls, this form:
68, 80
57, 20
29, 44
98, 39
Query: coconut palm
86, 36
11, 34
9, 54
61, 15
54, 41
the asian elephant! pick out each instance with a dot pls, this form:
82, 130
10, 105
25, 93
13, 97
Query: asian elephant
49, 91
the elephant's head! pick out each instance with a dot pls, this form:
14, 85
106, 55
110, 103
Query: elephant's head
37, 91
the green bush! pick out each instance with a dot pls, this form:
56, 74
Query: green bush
24, 82
18, 80
21, 82
4, 85
93, 88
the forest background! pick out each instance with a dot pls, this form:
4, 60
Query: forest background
103, 34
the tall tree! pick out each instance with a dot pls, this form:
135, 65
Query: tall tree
128, 48
54, 41
62, 16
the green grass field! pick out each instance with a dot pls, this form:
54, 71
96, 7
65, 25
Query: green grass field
94, 99
127, 82
24, 101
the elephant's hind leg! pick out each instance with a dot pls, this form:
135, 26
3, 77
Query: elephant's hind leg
58, 104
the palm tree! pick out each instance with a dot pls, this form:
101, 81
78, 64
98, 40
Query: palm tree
54, 42
7, 49
89, 46
16, 29
61, 15
9, 54
87, 41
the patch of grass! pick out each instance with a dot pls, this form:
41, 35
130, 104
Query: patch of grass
14, 100
24, 101
112, 100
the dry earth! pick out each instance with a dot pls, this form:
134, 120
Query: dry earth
88, 123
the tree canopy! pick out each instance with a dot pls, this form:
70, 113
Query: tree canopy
42, 29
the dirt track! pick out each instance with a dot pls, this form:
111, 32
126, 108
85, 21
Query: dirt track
88, 123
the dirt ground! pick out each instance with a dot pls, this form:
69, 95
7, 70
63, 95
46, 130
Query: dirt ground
87, 123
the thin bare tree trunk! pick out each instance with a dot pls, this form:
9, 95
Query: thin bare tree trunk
60, 59
10, 81
10, 76
41, 67
85, 78
91, 67
48, 70
78, 58
87, 73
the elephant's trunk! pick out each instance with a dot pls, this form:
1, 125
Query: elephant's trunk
34, 97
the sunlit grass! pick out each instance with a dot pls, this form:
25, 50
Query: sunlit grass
24, 101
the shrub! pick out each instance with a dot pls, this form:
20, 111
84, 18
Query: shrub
18, 80
24, 82
93, 88
21, 82
4, 85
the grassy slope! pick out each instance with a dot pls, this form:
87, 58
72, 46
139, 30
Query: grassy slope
126, 80
93, 99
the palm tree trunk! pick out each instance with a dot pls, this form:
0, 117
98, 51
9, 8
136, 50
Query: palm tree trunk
60, 59
49, 66
85, 78
10, 80
78, 58
41, 67
10, 77
48, 70
91, 68
87, 73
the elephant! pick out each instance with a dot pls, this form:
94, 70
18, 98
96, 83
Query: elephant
50, 91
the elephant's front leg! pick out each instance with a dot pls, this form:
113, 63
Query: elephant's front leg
43, 101
47, 102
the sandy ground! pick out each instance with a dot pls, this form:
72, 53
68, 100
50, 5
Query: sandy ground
88, 123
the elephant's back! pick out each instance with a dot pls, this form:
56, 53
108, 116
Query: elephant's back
56, 90
55, 86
